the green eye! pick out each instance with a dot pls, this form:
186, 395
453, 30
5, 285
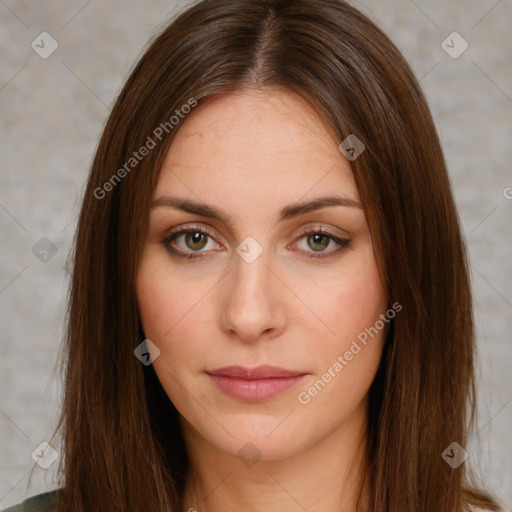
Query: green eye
319, 240
316, 240
195, 238
194, 242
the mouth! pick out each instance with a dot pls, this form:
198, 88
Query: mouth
254, 384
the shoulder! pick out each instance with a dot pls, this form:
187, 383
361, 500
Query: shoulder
44, 502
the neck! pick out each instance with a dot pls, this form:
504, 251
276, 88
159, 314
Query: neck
330, 476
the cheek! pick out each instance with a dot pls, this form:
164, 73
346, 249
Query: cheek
346, 362
174, 314
164, 299
163, 315
358, 304
156, 305
353, 301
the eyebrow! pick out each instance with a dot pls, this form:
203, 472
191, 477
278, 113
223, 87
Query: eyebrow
288, 212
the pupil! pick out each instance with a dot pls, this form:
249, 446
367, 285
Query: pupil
317, 241
196, 239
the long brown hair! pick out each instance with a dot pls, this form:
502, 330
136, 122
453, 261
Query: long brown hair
123, 450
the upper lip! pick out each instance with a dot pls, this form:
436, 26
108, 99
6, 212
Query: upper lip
258, 372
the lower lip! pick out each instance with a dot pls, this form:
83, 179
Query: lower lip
254, 390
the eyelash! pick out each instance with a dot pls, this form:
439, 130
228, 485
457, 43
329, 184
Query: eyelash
343, 244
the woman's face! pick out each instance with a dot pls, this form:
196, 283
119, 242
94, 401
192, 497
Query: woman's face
249, 285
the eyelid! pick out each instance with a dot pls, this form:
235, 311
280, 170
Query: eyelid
203, 228
315, 228
182, 229
342, 241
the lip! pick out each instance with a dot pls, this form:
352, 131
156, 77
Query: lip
258, 372
254, 384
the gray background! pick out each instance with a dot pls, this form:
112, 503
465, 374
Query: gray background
52, 112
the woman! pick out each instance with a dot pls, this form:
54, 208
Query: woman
270, 305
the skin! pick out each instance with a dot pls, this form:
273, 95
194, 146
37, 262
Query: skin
251, 153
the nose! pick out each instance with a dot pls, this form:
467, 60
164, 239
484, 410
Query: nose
254, 298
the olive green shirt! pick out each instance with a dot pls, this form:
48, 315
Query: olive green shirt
40, 503
46, 503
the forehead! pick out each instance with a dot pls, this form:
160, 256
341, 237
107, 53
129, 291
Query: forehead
255, 148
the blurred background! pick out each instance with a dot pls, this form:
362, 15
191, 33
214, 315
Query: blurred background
63, 64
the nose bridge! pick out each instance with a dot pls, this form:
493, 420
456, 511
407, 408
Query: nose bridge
251, 275
250, 265
251, 271
252, 306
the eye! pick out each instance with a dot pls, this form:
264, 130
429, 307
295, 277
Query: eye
193, 241
318, 239
189, 242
